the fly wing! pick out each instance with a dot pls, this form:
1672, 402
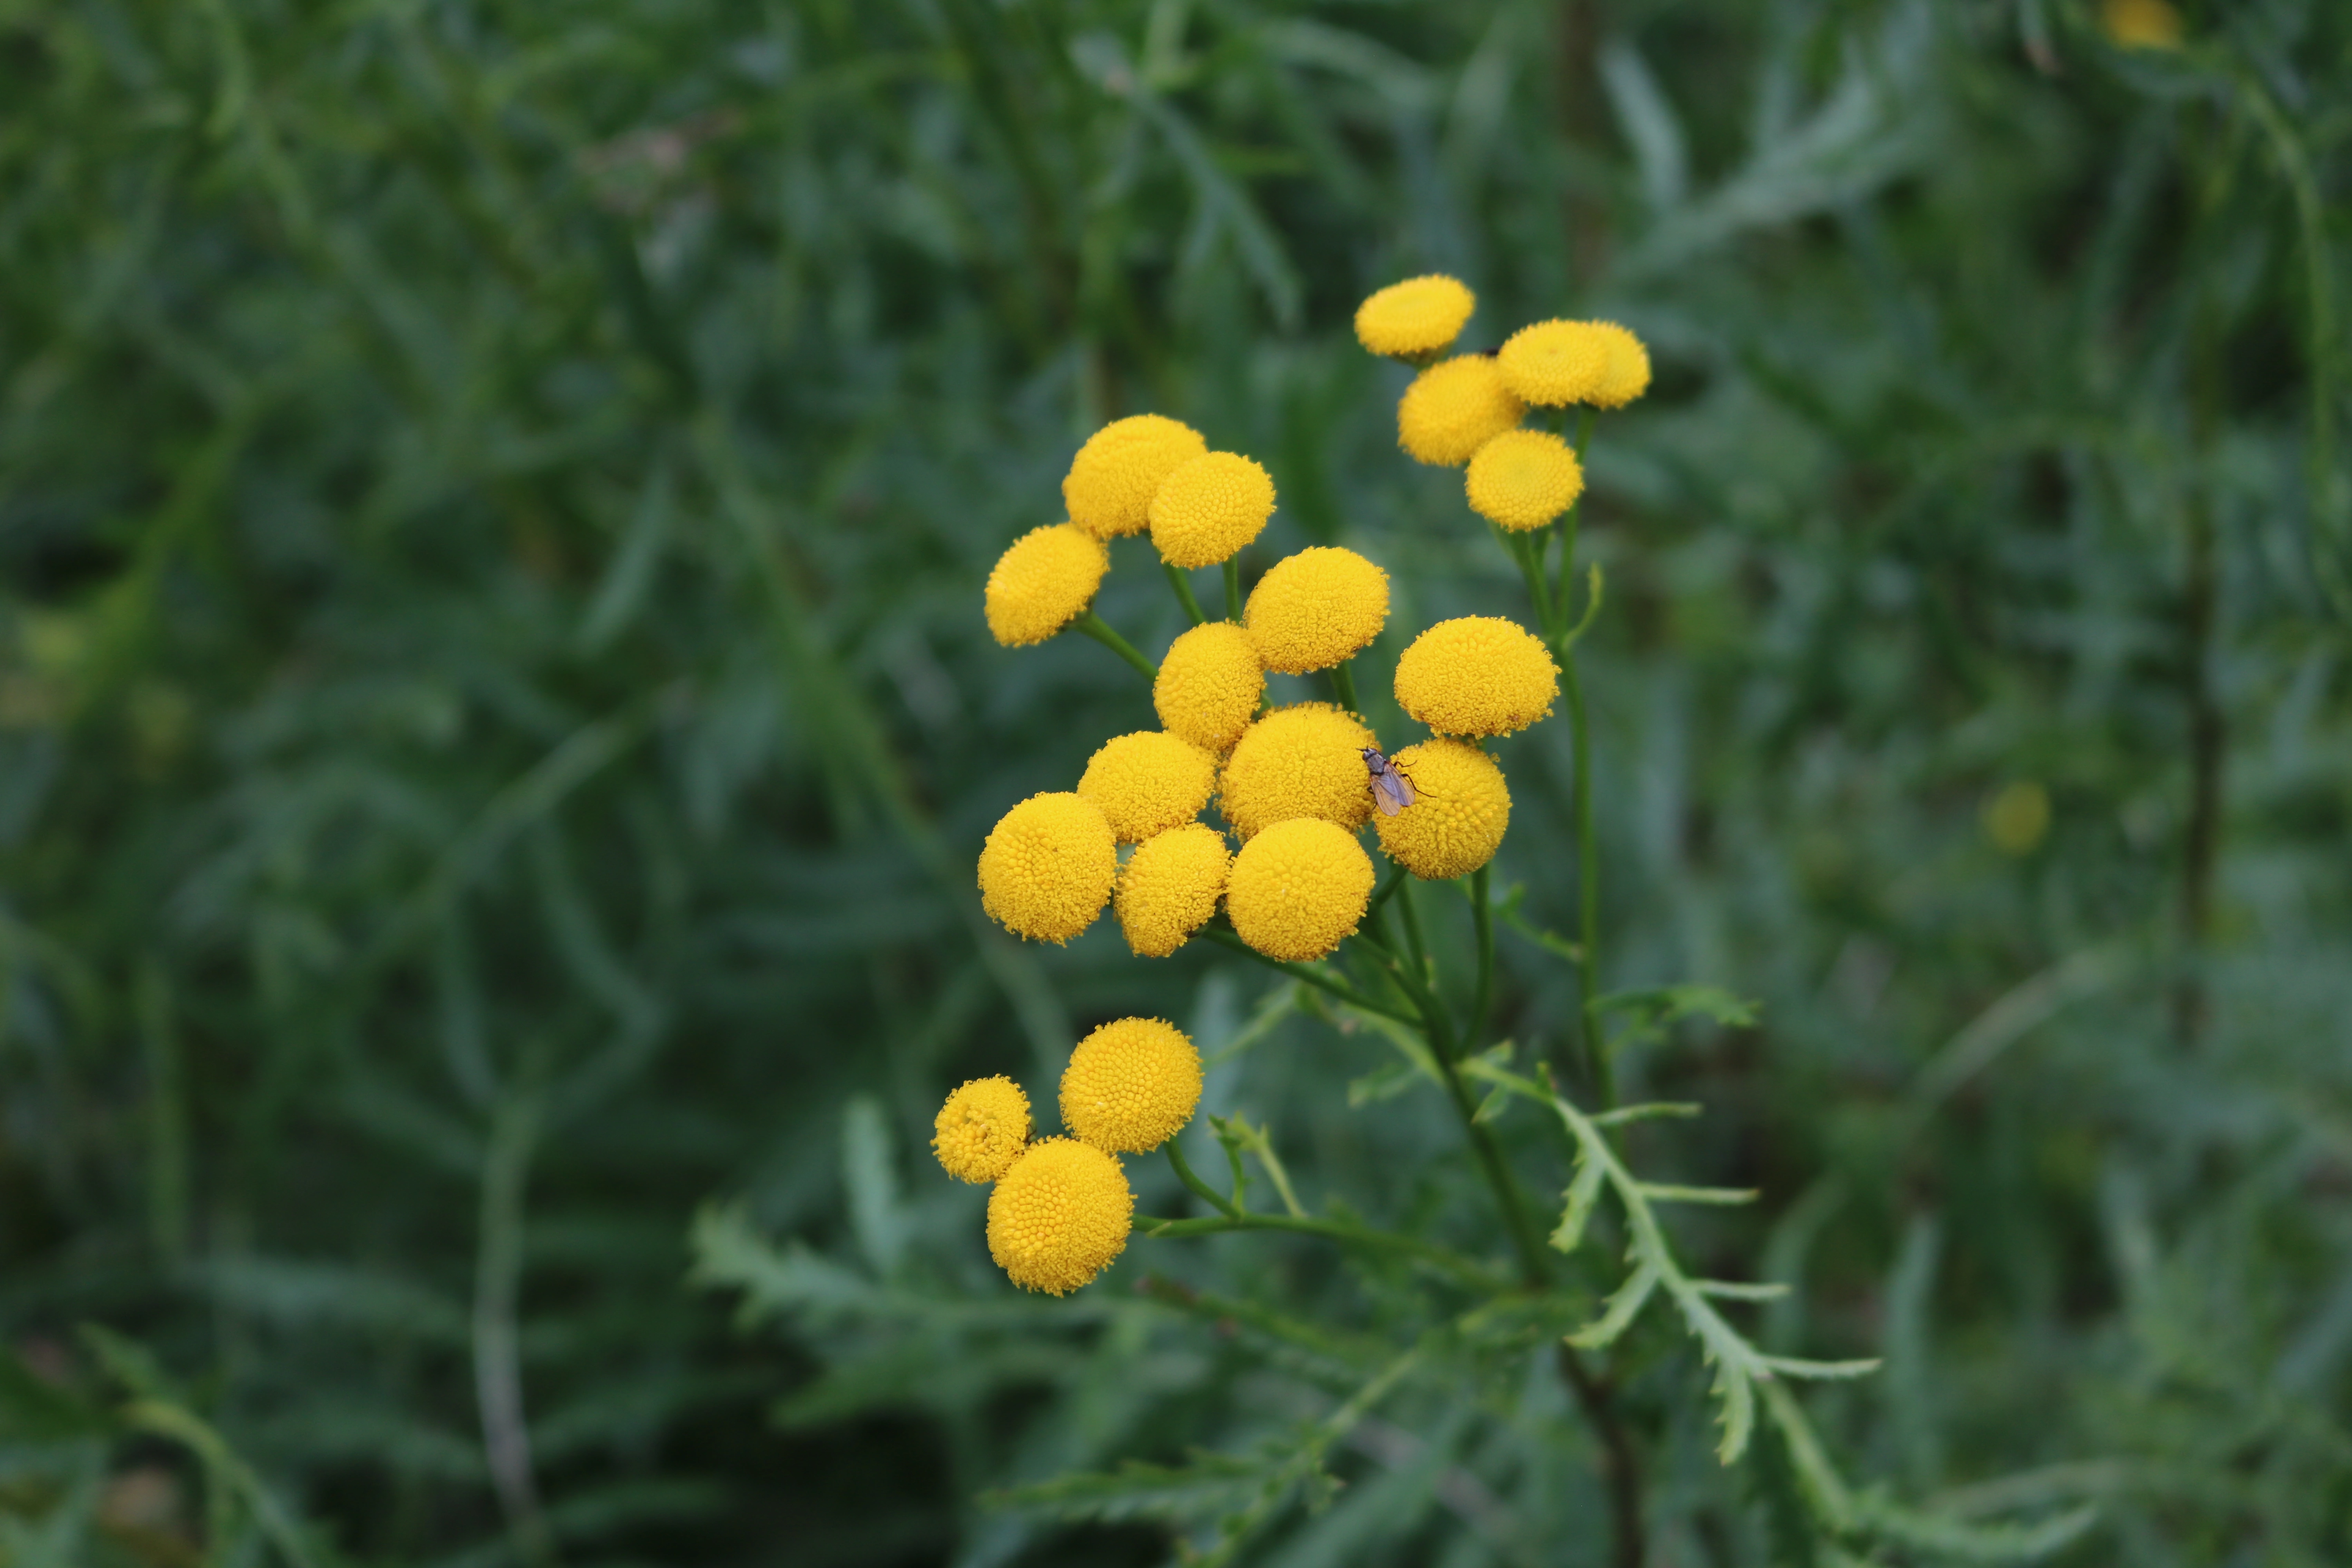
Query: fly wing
1390, 789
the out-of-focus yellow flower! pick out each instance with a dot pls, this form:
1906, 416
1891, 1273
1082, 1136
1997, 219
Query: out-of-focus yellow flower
1043, 583
1316, 608
1059, 1216
2141, 23
1147, 782
2018, 818
1418, 316
1046, 869
1460, 808
982, 1128
1209, 686
1455, 407
1554, 363
1306, 759
1299, 888
1629, 367
1169, 887
1523, 478
1479, 675
1209, 508
1112, 480
1131, 1086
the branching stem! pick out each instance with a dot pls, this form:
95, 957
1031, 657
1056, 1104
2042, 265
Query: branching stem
1094, 627
1182, 581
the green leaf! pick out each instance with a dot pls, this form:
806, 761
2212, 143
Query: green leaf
1583, 1195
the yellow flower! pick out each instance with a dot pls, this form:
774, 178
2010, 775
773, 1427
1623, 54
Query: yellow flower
1298, 888
1112, 480
1044, 583
1316, 608
1169, 887
1460, 808
1418, 316
2018, 818
1455, 407
1306, 759
2141, 23
1524, 479
1130, 1085
1059, 1216
1555, 363
1046, 869
1207, 509
1147, 782
1629, 367
1479, 675
982, 1128
1209, 686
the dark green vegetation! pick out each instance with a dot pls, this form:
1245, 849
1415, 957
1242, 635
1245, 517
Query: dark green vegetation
495, 724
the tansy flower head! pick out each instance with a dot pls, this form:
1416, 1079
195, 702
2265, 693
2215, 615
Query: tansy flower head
1479, 675
1112, 480
2141, 23
1209, 508
1209, 686
1524, 479
1300, 888
1044, 583
1460, 808
982, 1128
1307, 759
1316, 608
1046, 869
1130, 1085
1455, 407
1629, 367
1147, 782
1169, 887
1059, 1215
1418, 316
1555, 363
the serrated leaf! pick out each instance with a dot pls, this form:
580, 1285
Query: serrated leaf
1622, 1308
1583, 1196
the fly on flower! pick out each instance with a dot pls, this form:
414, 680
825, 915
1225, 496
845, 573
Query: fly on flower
1390, 789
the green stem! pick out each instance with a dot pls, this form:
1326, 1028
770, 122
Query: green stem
1538, 596
1182, 581
1414, 942
1568, 522
1482, 914
1588, 883
1184, 1173
1348, 993
1452, 1263
1381, 895
1094, 627
1343, 682
1233, 589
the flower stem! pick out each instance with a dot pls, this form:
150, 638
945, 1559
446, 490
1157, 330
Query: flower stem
1343, 682
1481, 915
1461, 1267
1348, 993
1094, 627
1588, 883
1184, 1173
1413, 942
1233, 589
1182, 581
1568, 522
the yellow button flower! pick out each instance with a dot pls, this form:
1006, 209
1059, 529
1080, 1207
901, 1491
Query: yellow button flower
1130, 1085
1629, 367
1299, 888
1418, 316
1112, 480
1209, 509
1479, 675
1147, 782
1524, 479
2141, 23
982, 1128
1455, 407
1306, 759
1169, 887
1059, 1215
1046, 869
1555, 363
1209, 686
1044, 583
1460, 808
1316, 608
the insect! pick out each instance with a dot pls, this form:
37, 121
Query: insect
1390, 789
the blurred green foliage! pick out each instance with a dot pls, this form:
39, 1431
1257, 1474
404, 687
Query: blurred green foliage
495, 724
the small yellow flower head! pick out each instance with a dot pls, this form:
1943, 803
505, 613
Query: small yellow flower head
1306, 759
1460, 808
1418, 316
982, 1128
1629, 367
2018, 818
1044, 583
1131, 1086
1524, 479
1169, 887
1209, 686
1479, 675
1299, 888
1059, 1218
1046, 869
2141, 23
1112, 480
1555, 363
1148, 782
1455, 407
1317, 608
1209, 508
